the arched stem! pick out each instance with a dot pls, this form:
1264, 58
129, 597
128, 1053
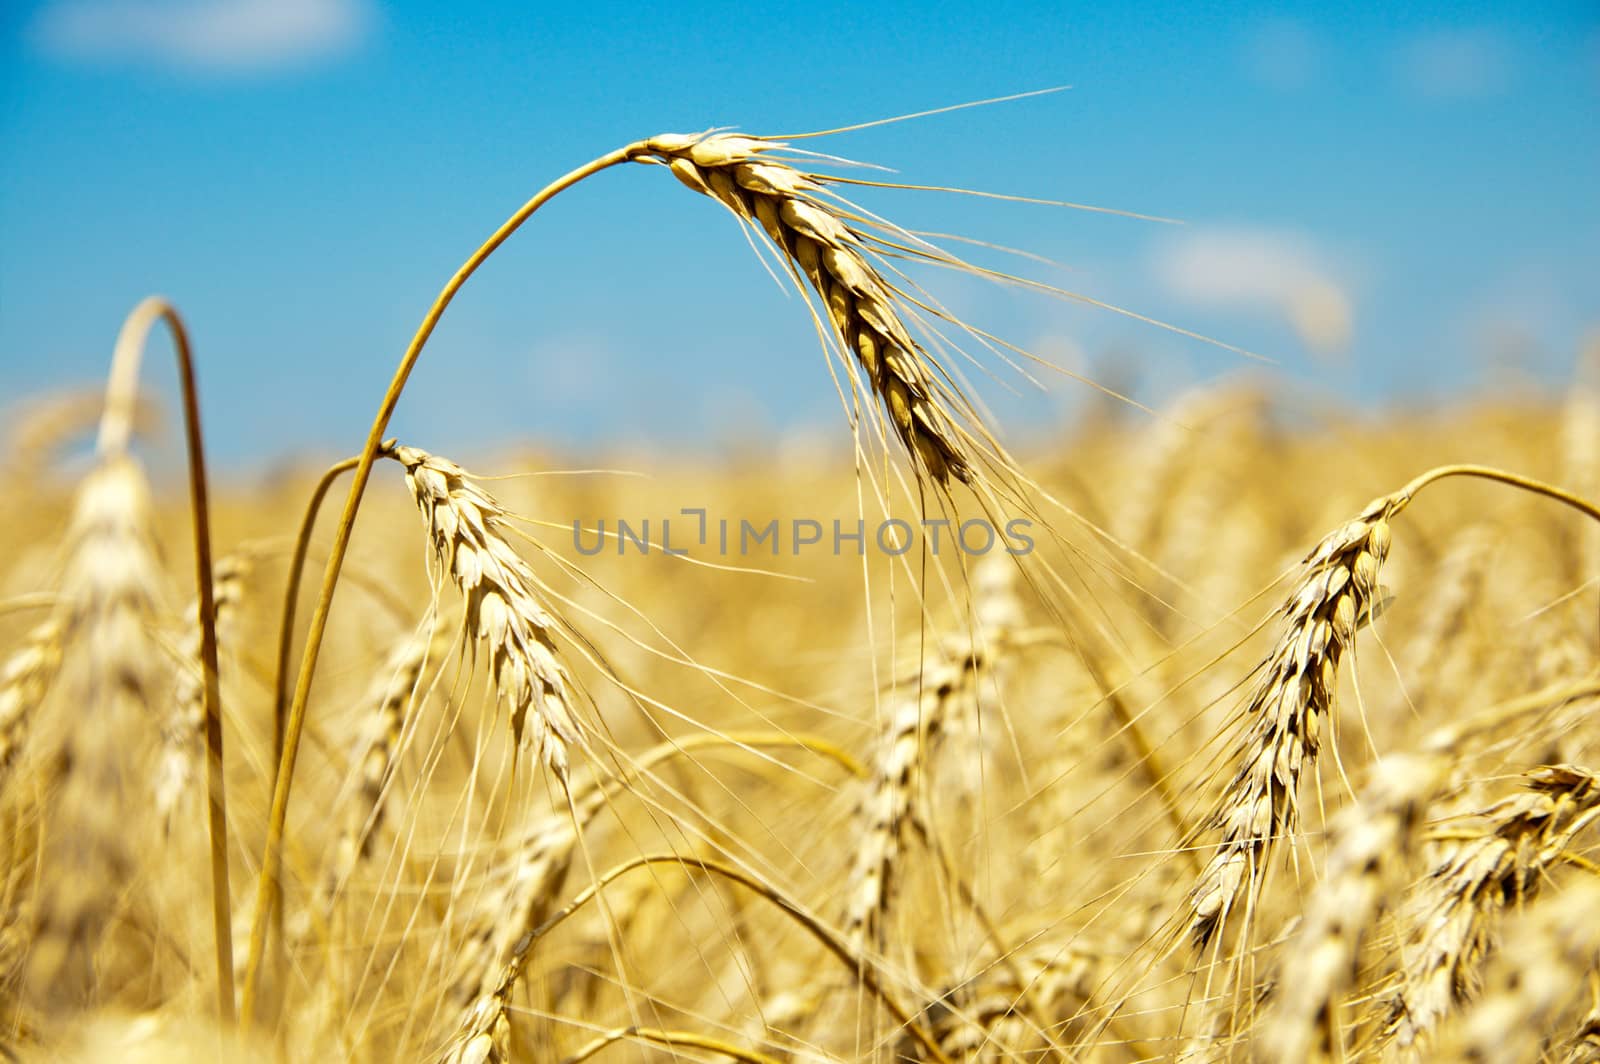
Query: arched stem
1515, 480
267, 883
116, 428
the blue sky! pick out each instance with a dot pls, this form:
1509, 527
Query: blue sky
1390, 203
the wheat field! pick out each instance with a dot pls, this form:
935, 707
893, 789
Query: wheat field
1246, 728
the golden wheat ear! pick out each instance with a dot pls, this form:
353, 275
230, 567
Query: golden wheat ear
1496, 860
826, 245
505, 612
1287, 711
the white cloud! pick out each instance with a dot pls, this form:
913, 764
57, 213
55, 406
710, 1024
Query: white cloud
1457, 64
1260, 271
1283, 54
202, 34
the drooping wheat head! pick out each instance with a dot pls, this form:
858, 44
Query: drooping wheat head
831, 247
504, 611
1287, 709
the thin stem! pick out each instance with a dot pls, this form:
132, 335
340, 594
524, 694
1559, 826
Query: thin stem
116, 428
291, 597
1516, 480
267, 884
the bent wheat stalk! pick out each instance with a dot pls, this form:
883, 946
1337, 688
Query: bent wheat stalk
130, 591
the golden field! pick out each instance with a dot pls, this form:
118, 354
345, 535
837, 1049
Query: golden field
1273, 745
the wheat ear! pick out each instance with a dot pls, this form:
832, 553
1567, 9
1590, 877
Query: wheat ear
466, 527
387, 702
921, 712
1370, 841
1497, 864
1291, 699
110, 595
1540, 971
828, 247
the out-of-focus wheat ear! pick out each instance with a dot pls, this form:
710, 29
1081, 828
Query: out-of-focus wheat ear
824, 245
496, 932
388, 702
504, 609
1498, 860
25, 679
109, 593
1286, 711
992, 1017
1371, 839
44, 427
922, 708
183, 732
1539, 973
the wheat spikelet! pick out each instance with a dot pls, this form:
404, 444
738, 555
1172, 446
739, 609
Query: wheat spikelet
1370, 840
110, 593
828, 247
183, 733
1500, 863
503, 608
1288, 706
24, 680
